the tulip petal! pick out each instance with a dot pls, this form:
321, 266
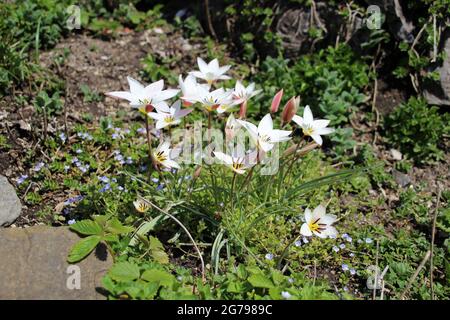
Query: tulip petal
317, 138
135, 86
120, 95
304, 230
307, 115
266, 125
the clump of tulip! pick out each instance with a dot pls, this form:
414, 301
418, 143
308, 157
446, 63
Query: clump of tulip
201, 90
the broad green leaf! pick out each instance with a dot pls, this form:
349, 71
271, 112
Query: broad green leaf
162, 277
157, 251
82, 248
87, 227
115, 226
124, 271
100, 219
260, 281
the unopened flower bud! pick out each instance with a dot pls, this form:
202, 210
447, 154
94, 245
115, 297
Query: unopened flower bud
290, 109
276, 101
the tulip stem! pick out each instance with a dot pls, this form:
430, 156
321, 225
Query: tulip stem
149, 142
233, 184
294, 158
209, 127
286, 250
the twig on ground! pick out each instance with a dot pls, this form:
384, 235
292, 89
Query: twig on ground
414, 276
433, 234
185, 230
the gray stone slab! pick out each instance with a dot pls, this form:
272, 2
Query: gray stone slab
33, 266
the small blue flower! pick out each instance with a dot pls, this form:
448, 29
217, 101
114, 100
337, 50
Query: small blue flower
187, 178
38, 166
285, 295
127, 131
352, 254
103, 179
129, 160
160, 187
344, 235
298, 243
345, 267
368, 240
62, 137
269, 256
105, 188
114, 136
352, 271
143, 168
342, 246
66, 168
290, 280
78, 151
305, 240
155, 180
72, 221
114, 180
349, 239
75, 159
120, 188
73, 199
345, 288
335, 249
22, 179
140, 130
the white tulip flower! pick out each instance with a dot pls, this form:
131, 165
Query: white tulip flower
318, 223
211, 71
152, 95
264, 135
313, 128
173, 117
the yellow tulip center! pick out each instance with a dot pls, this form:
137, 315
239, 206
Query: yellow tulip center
160, 157
316, 226
169, 119
308, 130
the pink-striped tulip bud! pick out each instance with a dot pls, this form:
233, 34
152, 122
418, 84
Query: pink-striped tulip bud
290, 109
243, 110
276, 101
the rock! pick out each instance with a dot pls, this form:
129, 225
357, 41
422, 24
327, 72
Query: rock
398, 24
10, 206
396, 155
33, 266
439, 93
402, 179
